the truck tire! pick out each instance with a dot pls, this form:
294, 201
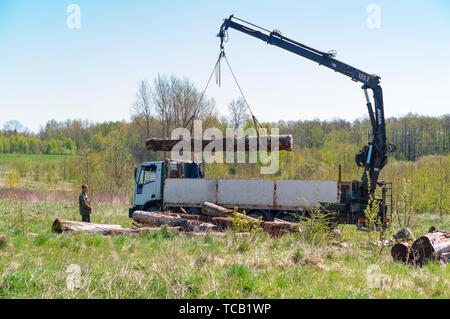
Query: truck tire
152, 207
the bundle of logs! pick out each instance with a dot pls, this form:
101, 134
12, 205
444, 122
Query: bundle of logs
435, 245
213, 220
230, 144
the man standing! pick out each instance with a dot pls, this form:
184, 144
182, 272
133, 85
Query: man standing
193, 170
85, 205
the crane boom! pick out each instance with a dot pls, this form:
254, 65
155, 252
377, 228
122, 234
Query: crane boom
322, 58
373, 156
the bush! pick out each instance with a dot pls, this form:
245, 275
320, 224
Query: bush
242, 225
13, 179
316, 228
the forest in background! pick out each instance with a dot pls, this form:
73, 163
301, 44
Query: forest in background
104, 154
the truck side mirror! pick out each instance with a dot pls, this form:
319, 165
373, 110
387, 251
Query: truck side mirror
135, 174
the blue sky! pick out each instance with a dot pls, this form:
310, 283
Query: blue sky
48, 71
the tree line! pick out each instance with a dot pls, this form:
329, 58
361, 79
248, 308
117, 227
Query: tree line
170, 102
106, 153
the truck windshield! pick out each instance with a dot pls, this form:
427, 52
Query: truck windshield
148, 174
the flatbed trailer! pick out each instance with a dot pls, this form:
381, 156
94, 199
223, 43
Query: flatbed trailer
161, 186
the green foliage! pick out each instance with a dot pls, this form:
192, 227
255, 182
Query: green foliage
373, 224
316, 226
70, 146
22, 166
242, 225
421, 186
13, 179
404, 204
52, 147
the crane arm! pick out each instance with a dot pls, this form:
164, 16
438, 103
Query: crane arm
374, 156
322, 58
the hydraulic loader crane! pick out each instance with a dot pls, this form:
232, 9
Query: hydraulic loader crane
373, 156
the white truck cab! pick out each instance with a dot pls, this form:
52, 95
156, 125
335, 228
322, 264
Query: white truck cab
149, 186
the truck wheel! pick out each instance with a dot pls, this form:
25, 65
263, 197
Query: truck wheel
288, 217
257, 213
152, 208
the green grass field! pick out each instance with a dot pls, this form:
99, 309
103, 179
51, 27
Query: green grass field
34, 262
34, 171
43, 158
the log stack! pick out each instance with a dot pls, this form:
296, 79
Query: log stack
158, 219
219, 217
213, 210
245, 143
433, 246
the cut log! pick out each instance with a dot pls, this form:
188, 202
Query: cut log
275, 229
142, 230
430, 246
402, 252
404, 235
278, 229
247, 143
432, 229
213, 210
158, 219
445, 257
205, 227
62, 226
202, 234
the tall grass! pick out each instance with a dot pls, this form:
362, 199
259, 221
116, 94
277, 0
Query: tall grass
34, 263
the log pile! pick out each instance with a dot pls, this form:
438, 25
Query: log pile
435, 245
214, 220
159, 219
213, 210
245, 143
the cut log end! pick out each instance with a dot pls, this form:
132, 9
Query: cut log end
401, 252
431, 246
404, 235
56, 226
